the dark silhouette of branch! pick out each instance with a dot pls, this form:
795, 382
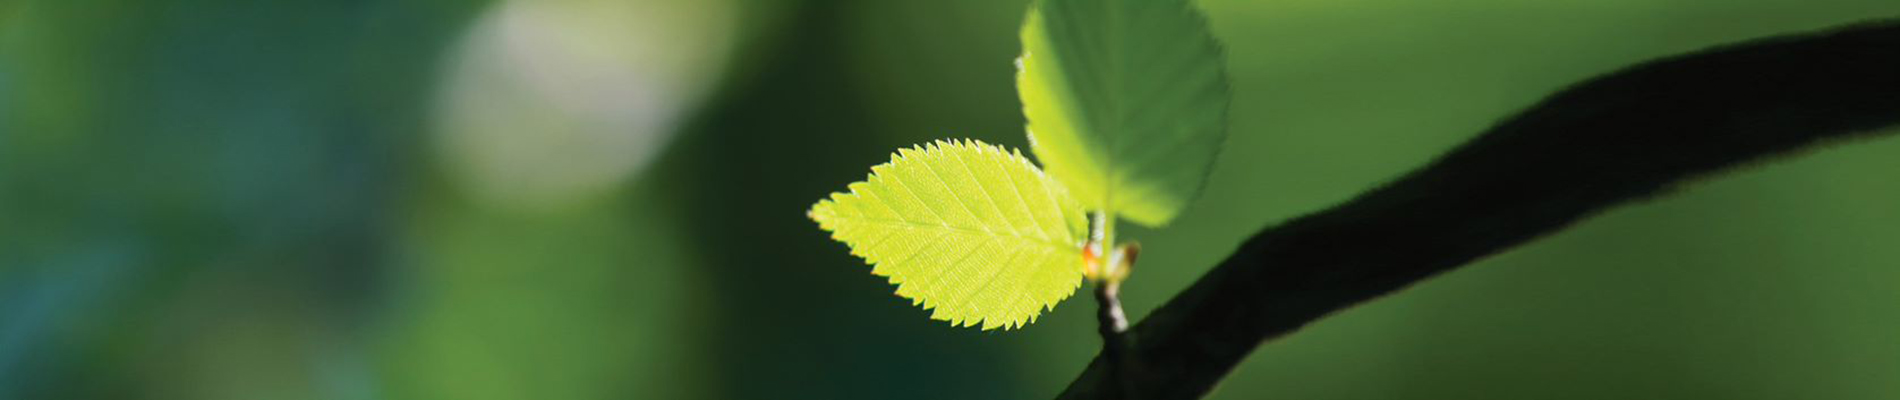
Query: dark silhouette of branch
1611, 140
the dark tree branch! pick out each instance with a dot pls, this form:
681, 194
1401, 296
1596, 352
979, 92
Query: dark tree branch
1608, 141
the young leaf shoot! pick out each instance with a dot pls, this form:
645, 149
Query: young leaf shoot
1127, 106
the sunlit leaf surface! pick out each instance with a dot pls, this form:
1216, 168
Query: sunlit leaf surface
1126, 101
967, 229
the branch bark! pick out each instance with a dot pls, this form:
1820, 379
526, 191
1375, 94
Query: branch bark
1611, 140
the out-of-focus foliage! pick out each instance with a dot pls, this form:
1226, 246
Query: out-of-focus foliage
548, 102
969, 229
222, 199
1126, 101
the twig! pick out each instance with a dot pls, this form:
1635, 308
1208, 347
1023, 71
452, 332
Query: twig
1107, 268
1113, 326
1608, 141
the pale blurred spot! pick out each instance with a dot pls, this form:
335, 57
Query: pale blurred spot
551, 102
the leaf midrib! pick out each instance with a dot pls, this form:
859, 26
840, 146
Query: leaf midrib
973, 231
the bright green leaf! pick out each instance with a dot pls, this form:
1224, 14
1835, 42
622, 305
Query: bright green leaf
1126, 101
968, 229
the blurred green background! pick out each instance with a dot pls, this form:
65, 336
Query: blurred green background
594, 199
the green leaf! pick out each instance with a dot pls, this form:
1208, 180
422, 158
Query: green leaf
968, 229
1126, 101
